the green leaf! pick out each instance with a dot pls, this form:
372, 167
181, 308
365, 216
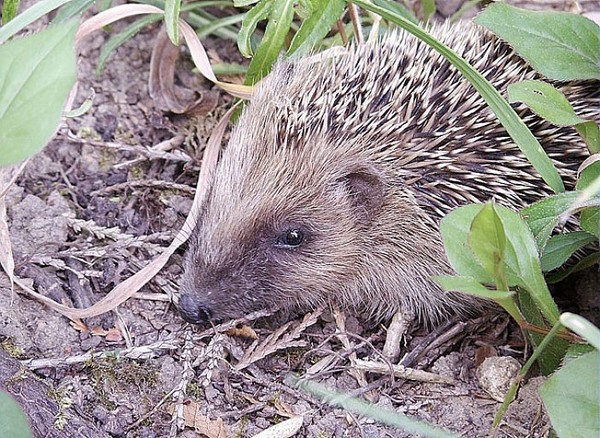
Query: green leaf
590, 221
561, 247
590, 132
255, 15
454, 228
280, 20
586, 262
37, 74
468, 285
172, 8
590, 217
549, 103
315, 27
397, 9
72, 9
214, 25
428, 8
542, 216
571, 397
554, 347
523, 261
9, 10
559, 45
242, 3
29, 16
488, 242
120, 38
13, 422
544, 100
583, 327
515, 127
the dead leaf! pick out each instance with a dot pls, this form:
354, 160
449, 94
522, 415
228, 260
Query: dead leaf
202, 423
243, 332
285, 429
97, 331
161, 83
79, 325
114, 335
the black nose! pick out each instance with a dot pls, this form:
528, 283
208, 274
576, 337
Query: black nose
193, 310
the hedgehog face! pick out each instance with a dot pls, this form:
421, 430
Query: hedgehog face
272, 237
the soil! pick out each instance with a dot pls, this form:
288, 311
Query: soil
95, 206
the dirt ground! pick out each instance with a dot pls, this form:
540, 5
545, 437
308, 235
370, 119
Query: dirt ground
95, 206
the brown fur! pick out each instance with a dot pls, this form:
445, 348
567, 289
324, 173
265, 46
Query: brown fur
363, 154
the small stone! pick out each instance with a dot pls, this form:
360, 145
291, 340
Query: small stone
496, 374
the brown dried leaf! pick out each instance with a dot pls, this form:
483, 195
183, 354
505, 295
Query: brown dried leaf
80, 326
243, 332
114, 335
203, 424
166, 95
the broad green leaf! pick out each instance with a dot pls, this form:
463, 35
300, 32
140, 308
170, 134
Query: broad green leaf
468, 285
544, 100
571, 397
555, 348
590, 221
488, 242
590, 132
172, 8
120, 38
586, 262
559, 45
515, 127
523, 261
561, 247
13, 422
36, 74
588, 175
29, 16
255, 15
542, 216
280, 20
315, 27
590, 217
583, 327
550, 104
454, 228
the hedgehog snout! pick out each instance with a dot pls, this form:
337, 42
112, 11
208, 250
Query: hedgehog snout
193, 309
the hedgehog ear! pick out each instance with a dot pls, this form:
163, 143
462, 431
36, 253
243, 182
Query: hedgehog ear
365, 189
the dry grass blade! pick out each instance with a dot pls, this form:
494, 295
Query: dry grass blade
165, 94
8, 176
197, 51
201, 61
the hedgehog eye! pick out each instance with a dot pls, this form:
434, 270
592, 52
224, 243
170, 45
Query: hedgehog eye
292, 237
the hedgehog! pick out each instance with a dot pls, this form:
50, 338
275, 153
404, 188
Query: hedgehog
336, 176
